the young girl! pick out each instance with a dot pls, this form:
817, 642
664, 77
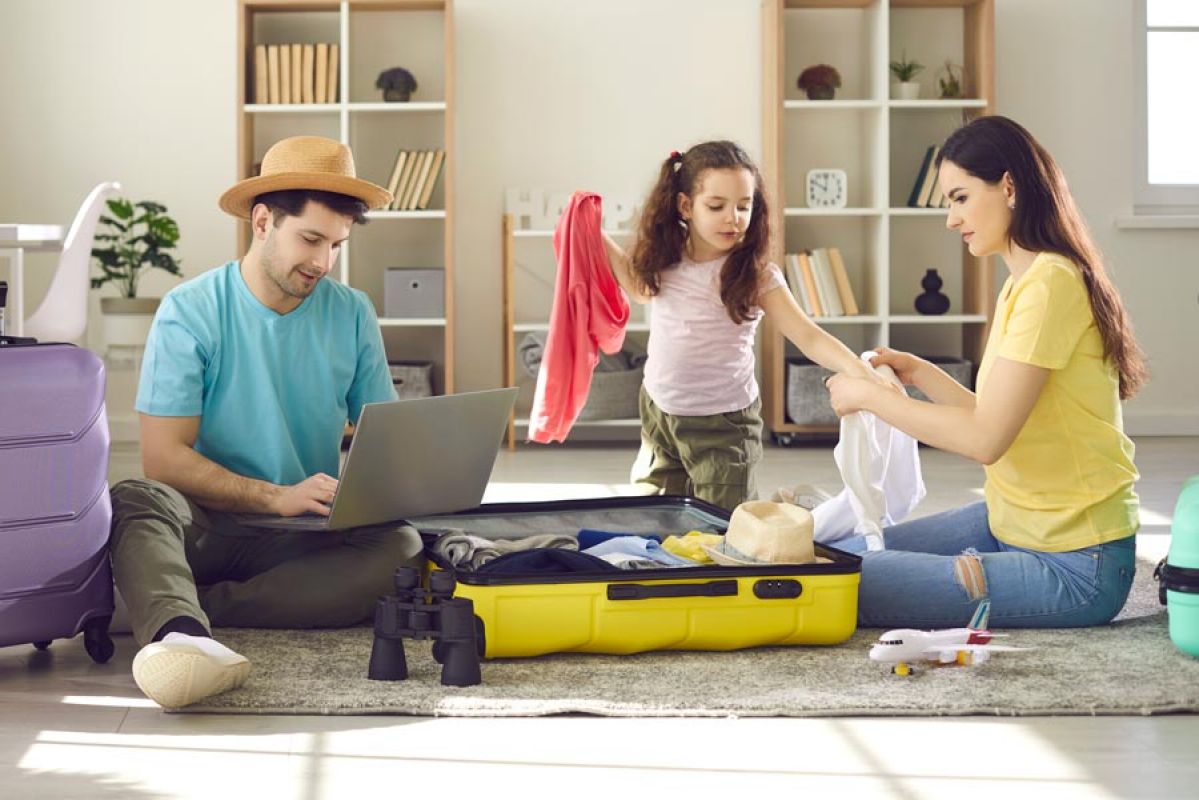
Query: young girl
1053, 544
700, 260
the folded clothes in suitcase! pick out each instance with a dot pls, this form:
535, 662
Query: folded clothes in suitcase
55, 576
673, 608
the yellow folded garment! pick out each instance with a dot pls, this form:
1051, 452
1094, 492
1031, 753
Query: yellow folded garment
691, 545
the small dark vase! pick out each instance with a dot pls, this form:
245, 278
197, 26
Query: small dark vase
931, 302
396, 95
821, 92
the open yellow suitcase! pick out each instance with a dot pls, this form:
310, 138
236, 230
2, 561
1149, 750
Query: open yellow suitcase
677, 608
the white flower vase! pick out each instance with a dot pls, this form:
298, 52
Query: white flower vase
127, 320
905, 90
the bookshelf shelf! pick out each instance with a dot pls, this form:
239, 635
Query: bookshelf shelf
937, 105
907, 211
885, 250
292, 108
849, 319
943, 319
396, 108
368, 34
831, 105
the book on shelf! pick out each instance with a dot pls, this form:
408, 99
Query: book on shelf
405, 180
393, 182
334, 61
297, 73
825, 284
285, 74
922, 188
406, 196
434, 172
807, 271
419, 189
841, 277
272, 73
321, 92
308, 87
261, 85
795, 282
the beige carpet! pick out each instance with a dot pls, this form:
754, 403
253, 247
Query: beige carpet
1128, 667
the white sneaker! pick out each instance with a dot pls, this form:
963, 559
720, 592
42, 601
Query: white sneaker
803, 495
183, 669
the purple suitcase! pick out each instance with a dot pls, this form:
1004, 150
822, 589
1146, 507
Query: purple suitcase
55, 512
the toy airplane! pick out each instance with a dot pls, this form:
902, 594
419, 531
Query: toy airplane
960, 646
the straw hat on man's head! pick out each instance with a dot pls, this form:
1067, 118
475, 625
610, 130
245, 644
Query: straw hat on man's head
304, 162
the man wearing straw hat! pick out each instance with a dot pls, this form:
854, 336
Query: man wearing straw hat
250, 374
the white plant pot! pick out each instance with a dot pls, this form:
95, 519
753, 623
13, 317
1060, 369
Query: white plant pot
127, 320
907, 90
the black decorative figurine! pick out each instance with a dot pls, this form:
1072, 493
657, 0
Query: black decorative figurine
931, 302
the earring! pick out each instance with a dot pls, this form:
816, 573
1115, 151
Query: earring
1011, 204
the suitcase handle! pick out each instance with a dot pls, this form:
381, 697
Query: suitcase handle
640, 591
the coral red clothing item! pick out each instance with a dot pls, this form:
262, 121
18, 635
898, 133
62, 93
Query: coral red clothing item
589, 314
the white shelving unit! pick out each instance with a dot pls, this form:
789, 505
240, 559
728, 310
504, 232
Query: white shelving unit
372, 35
880, 143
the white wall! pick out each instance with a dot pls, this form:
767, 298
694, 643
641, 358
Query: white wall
590, 93
1065, 71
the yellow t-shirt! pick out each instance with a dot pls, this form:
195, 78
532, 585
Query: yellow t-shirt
1066, 482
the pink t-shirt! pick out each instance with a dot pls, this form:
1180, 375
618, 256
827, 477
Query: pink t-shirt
699, 361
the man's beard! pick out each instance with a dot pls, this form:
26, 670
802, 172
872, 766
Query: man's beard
284, 280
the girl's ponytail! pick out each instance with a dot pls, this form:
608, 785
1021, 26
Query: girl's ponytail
661, 236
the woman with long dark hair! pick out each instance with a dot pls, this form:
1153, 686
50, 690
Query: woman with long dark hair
1053, 543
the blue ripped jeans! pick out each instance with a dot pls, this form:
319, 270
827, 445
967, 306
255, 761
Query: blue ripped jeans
914, 583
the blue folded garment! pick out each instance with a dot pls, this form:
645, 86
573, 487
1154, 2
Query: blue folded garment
590, 537
640, 547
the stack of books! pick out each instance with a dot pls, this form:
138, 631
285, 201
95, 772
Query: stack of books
295, 73
926, 191
820, 282
413, 177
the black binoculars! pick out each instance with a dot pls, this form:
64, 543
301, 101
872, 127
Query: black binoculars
414, 612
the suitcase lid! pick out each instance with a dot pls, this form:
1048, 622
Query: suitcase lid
48, 393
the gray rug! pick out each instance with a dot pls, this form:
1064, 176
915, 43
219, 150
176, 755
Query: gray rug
1128, 667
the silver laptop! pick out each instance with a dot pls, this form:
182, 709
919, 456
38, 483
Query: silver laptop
412, 458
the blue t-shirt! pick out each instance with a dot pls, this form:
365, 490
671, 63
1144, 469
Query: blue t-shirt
273, 391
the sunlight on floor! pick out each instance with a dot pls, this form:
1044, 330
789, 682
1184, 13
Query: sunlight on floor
114, 702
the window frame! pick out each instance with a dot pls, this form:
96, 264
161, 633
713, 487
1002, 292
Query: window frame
1153, 198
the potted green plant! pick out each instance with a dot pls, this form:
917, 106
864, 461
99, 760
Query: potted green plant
819, 81
950, 79
397, 84
130, 239
904, 71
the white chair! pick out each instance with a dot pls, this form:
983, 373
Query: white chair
62, 315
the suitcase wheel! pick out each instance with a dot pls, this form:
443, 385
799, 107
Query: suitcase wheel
96, 640
43, 645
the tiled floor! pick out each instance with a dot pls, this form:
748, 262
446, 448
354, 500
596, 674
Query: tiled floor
71, 729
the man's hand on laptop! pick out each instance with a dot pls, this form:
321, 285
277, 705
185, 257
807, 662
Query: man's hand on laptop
312, 495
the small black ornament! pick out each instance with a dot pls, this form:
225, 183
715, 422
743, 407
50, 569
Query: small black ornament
931, 302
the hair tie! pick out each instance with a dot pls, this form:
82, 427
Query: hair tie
676, 160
